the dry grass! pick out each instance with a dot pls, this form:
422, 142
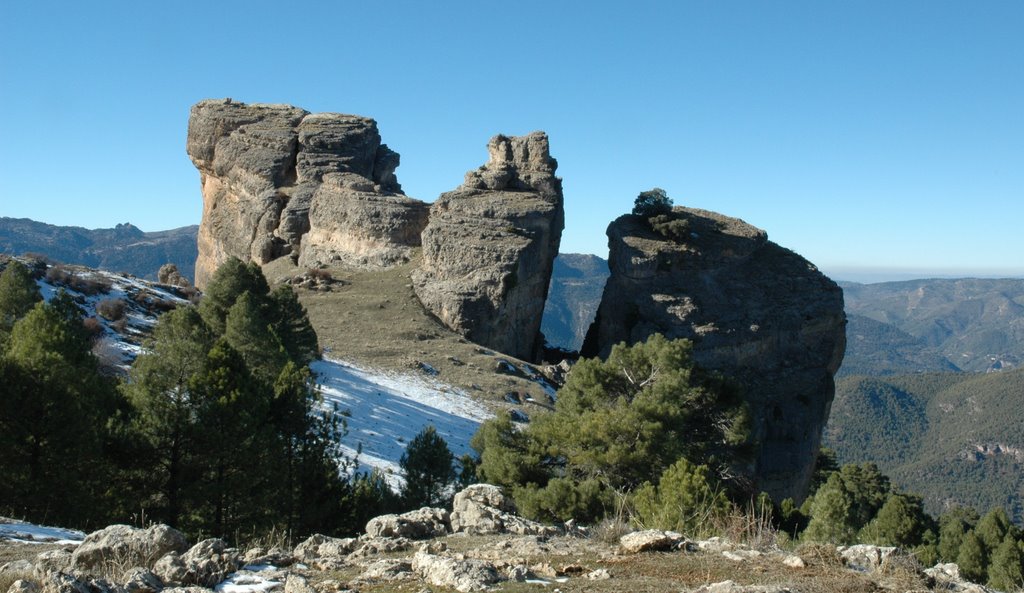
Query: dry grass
373, 318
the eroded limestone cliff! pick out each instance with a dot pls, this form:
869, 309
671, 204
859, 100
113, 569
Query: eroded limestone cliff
755, 311
278, 180
489, 247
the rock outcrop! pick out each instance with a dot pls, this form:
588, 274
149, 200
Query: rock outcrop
278, 180
489, 247
755, 311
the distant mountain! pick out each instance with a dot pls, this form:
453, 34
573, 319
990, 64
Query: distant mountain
974, 324
124, 248
577, 282
954, 438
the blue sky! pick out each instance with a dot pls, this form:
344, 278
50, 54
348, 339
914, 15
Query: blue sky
870, 135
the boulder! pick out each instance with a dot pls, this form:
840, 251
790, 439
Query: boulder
649, 540
52, 561
278, 180
864, 557
297, 584
204, 564
489, 247
127, 545
62, 582
424, 523
482, 509
141, 580
23, 586
321, 547
461, 575
756, 312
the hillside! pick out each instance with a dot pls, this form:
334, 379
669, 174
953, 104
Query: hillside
576, 285
954, 438
975, 324
124, 248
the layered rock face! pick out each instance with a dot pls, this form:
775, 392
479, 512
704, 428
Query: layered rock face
489, 247
755, 311
278, 180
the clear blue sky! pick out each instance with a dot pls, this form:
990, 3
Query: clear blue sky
872, 134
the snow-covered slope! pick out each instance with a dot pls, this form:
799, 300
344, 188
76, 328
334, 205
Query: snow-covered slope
388, 409
27, 533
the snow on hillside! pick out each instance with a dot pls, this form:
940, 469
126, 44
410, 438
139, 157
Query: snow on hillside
143, 301
388, 409
27, 533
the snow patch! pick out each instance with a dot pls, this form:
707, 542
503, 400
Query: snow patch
28, 533
388, 409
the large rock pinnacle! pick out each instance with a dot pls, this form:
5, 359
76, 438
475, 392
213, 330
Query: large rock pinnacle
489, 247
755, 311
278, 180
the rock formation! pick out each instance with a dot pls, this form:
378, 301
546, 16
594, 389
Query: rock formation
489, 247
755, 311
278, 180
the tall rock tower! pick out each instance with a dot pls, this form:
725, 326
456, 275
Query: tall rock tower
758, 313
489, 247
278, 180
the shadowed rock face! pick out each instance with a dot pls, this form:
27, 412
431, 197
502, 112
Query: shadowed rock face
278, 180
755, 311
489, 247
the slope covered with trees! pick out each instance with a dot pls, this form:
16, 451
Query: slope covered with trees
955, 438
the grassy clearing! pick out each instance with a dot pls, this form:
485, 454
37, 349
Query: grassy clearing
373, 318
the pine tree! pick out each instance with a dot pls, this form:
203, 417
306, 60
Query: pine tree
232, 436
428, 467
18, 294
993, 528
311, 487
160, 390
972, 558
53, 412
293, 327
953, 525
247, 328
230, 280
849, 500
900, 522
831, 514
1006, 569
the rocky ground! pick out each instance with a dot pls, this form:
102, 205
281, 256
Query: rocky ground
480, 544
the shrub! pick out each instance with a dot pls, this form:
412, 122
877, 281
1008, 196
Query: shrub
111, 309
93, 326
671, 226
686, 499
652, 203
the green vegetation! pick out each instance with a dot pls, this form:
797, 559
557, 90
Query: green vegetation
949, 437
429, 470
652, 203
617, 424
218, 430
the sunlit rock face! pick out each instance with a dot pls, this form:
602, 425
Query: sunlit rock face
278, 180
490, 245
